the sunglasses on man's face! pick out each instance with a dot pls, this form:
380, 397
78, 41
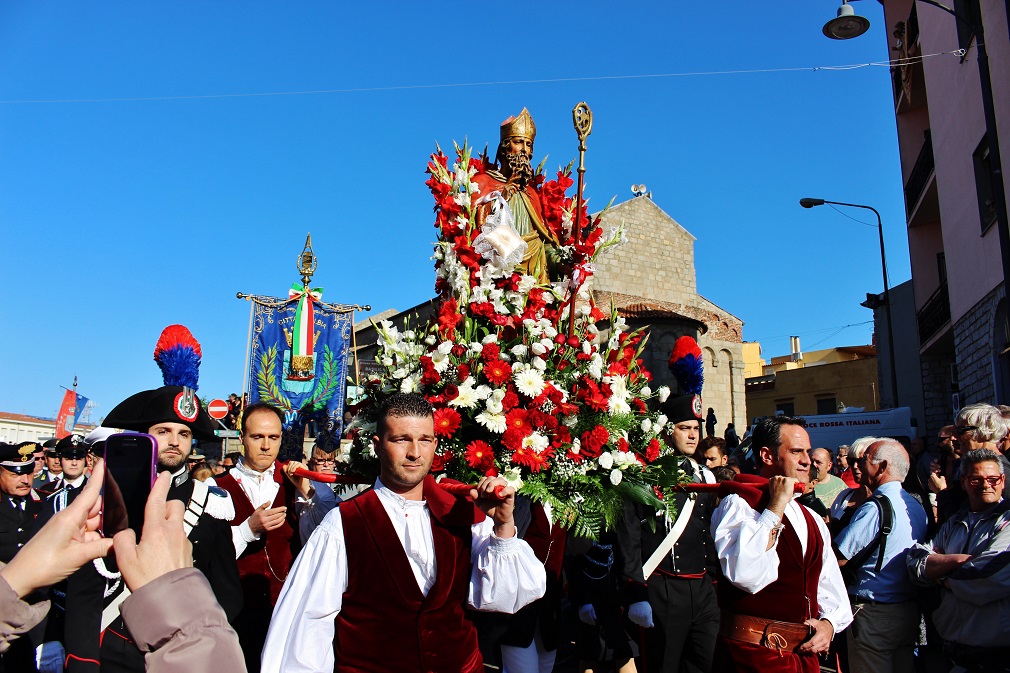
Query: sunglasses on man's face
964, 429
976, 482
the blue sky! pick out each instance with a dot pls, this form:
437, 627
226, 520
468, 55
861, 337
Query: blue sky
120, 217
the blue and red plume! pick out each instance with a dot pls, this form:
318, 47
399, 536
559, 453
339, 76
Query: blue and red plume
686, 365
178, 354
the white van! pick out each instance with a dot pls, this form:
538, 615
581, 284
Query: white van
833, 430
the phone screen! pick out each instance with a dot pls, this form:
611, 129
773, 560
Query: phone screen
130, 471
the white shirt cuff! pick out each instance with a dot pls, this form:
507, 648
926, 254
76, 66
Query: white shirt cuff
769, 519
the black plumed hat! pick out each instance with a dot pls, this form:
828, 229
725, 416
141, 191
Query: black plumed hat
168, 404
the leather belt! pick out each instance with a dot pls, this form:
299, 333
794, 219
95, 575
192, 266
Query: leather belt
775, 635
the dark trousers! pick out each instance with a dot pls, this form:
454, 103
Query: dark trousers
686, 618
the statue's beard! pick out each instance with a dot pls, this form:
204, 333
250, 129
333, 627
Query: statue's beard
518, 169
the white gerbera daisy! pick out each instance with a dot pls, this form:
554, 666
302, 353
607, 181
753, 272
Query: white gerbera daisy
529, 381
493, 422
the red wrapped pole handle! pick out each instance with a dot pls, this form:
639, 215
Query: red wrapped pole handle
328, 478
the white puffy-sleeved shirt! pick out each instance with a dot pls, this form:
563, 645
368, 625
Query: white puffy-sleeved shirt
506, 576
741, 535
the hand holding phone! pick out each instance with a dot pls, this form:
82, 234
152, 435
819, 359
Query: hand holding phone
131, 462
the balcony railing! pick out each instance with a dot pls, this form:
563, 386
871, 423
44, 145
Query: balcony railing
934, 314
919, 177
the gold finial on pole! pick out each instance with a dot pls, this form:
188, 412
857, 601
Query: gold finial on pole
582, 118
306, 262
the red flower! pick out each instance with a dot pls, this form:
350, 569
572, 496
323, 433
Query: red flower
622, 445
594, 440
462, 371
497, 372
451, 392
639, 405
447, 421
512, 439
490, 352
438, 462
510, 400
479, 455
448, 318
652, 451
518, 419
531, 459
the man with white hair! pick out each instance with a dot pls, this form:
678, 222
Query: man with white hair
871, 551
968, 560
979, 426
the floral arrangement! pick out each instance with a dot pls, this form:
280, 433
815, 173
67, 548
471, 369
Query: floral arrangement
562, 418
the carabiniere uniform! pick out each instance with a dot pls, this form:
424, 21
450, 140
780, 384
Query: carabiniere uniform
679, 590
17, 516
208, 513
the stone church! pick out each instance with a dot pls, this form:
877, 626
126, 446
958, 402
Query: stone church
651, 281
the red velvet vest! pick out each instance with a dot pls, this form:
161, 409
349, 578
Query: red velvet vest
265, 563
792, 597
385, 622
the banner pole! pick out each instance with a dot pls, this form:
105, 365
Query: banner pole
248, 346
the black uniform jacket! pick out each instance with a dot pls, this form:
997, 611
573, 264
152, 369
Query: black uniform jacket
16, 525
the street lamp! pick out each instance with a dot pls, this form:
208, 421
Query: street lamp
846, 25
810, 203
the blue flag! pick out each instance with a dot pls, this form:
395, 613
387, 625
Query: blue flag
79, 405
319, 400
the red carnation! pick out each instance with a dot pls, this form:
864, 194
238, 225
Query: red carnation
510, 400
497, 372
490, 352
652, 451
447, 421
594, 440
622, 445
462, 373
479, 455
512, 439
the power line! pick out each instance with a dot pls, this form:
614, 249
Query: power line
834, 330
558, 80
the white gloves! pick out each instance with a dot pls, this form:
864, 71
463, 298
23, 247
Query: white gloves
587, 613
640, 613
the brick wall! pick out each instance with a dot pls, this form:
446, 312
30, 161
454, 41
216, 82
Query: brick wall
973, 345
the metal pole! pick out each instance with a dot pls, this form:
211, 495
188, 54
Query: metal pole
887, 296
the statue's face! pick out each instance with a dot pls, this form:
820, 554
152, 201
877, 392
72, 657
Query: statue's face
518, 145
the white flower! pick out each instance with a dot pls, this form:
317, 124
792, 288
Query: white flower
549, 331
606, 461
576, 446
400, 373
527, 283
618, 406
467, 397
387, 361
661, 422
493, 406
445, 347
519, 350
646, 425
664, 393
587, 347
493, 422
430, 339
529, 382
646, 391
409, 335
440, 361
620, 324
548, 344
489, 339
596, 366
476, 347
538, 348
410, 384
615, 477
570, 421
498, 395
513, 477
540, 364
593, 329
536, 441
483, 391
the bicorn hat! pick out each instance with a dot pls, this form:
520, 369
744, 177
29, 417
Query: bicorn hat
686, 366
168, 404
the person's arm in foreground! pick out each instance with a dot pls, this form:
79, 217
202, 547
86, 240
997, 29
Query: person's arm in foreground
506, 574
172, 614
67, 541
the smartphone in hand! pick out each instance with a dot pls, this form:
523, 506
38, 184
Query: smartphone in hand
131, 461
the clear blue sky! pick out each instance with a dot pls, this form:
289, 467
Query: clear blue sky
121, 217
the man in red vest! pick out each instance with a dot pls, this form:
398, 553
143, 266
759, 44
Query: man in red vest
783, 597
265, 527
384, 581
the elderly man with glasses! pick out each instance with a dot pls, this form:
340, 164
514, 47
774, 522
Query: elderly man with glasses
968, 560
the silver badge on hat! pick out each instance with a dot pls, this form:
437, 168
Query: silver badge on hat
186, 405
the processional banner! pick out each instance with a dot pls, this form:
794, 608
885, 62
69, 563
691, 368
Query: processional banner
298, 363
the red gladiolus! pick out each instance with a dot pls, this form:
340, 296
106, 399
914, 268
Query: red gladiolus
479, 455
447, 421
531, 459
639, 405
